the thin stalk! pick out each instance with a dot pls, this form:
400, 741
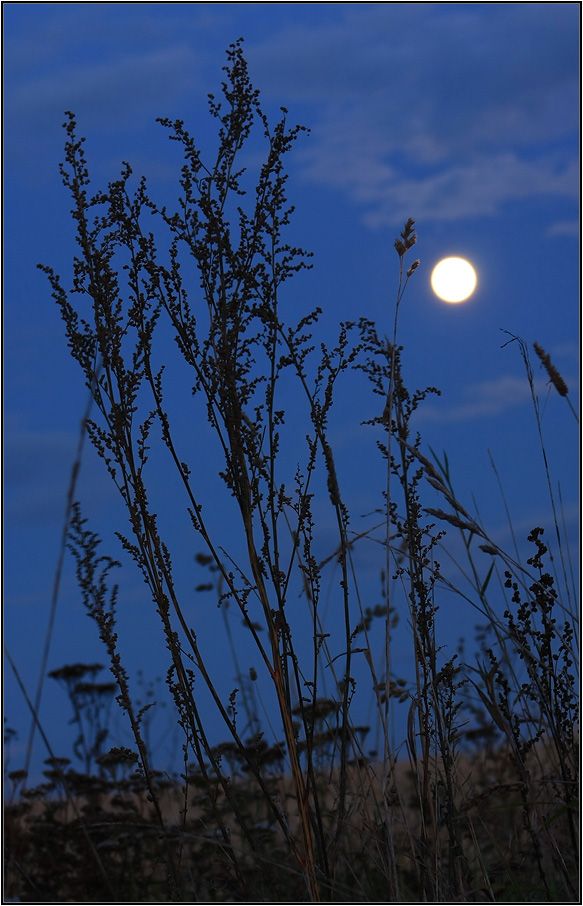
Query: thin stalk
58, 573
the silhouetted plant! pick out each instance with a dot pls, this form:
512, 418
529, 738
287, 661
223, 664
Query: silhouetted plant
298, 810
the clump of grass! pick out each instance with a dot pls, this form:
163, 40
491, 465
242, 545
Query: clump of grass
286, 801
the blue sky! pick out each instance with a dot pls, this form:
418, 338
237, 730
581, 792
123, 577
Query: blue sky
463, 116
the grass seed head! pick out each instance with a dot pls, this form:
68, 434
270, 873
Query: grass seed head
555, 378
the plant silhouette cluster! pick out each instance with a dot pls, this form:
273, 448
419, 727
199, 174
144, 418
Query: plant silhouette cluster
480, 802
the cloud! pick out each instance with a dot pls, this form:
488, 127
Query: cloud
564, 228
104, 89
117, 67
567, 350
487, 398
454, 191
486, 116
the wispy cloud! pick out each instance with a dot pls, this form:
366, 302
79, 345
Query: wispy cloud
487, 398
474, 125
566, 350
564, 228
116, 67
453, 191
485, 117
105, 89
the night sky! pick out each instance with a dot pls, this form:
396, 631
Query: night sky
463, 116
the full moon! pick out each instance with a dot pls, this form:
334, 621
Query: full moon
453, 280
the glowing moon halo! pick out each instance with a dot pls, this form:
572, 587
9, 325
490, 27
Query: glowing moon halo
453, 280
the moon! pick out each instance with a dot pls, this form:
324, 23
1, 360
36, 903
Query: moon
453, 280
